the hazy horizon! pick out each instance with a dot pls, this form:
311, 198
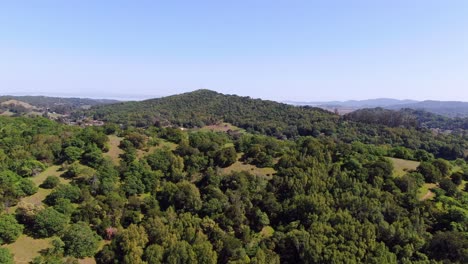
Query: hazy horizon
283, 51
137, 97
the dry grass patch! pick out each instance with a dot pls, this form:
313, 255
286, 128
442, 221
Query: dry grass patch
114, 150
241, 166
402, 166
425, 192
162, 144
222, 127
27, 248
51, 171
41, 194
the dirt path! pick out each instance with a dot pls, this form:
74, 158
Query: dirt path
427, 196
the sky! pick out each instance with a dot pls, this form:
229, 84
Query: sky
272, 49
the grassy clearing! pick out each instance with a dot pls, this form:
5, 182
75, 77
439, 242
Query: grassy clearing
87, 261
222, 127
51, 171
241, 166
401, 166
27, 248
162, 144
425, 192
114, 150
461, 187
41, 194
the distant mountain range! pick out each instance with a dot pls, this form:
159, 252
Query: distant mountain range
445, 108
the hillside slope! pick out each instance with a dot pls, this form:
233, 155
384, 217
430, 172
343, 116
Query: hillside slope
445, 108
205, 107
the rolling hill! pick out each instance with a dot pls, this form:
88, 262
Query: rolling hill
205, 107
444, 108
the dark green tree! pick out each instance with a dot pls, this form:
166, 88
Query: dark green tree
10, 229
49, 222
80, 241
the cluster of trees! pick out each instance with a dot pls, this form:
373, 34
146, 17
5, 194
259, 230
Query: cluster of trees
408, 128
332, 199
204, 107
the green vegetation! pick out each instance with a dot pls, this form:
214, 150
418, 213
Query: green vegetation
5, 256
80, 241
297, 185
10, 229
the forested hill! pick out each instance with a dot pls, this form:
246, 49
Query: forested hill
406, 118
444, 108
330, 190
205, 107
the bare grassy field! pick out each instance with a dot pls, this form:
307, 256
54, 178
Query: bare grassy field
222, 127
240, 166
27, 248
114, 150
162, 144
402, 166
41, 194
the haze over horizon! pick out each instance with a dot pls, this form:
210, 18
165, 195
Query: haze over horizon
291, 50
141, 97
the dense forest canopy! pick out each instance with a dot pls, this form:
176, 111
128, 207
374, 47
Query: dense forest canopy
244, 181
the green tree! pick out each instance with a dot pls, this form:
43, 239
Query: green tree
449, 246
72, 153
225, 157
6, 257
154, 254
49, 222
10, 229
80, 241
457, 178
132, 241
448, 186
27, 187
50, 182
180, 252
67, 191
430, 172
443, 166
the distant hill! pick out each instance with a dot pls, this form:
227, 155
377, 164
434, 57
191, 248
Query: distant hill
406, 118
53, 104
445, 108
205, 107
379, 102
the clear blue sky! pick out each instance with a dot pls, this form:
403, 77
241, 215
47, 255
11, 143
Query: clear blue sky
274, 49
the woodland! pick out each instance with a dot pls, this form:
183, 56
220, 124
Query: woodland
204, 177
